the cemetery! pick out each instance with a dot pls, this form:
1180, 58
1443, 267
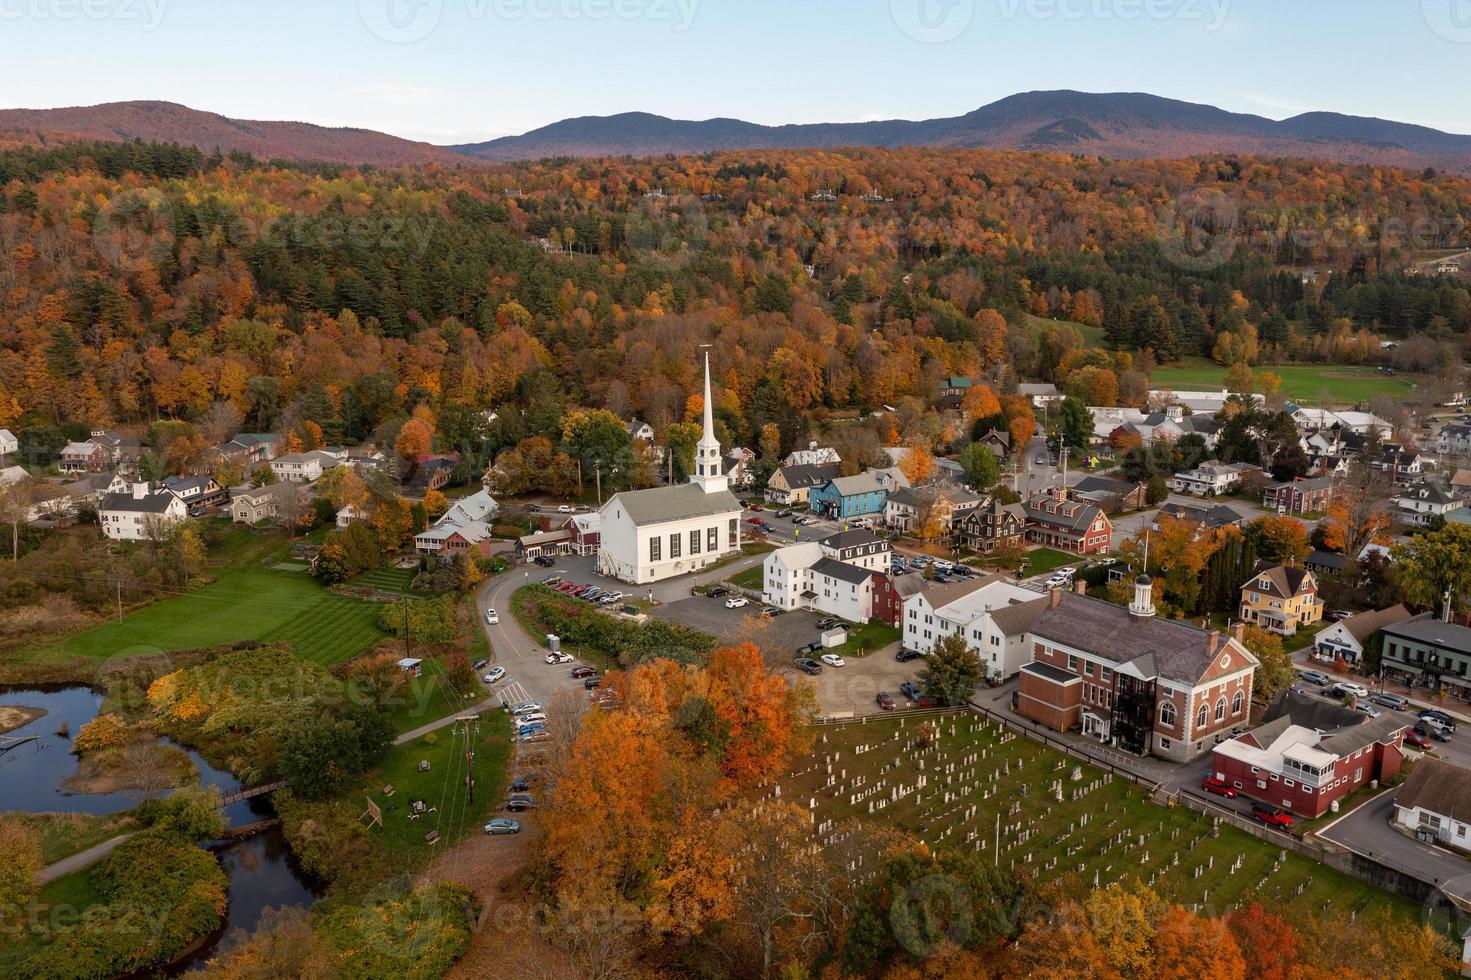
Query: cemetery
960, 780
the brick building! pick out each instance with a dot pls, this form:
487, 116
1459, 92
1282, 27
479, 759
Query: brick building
1055, 521
1129, 679
1306, 770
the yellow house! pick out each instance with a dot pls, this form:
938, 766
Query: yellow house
1281, 598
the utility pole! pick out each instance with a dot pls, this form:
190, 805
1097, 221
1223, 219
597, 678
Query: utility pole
119, 598
599, 474
406, 627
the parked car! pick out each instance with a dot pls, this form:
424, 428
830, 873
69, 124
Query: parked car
556, 658
535, 718
783, 514
564, 509
1444, 720
1218, 787
769, 612
737, 602
1429, 728
1271, 816
492, 617
809, 666
1349, 689
719, 592
831, 624
520, 804
809, 649
963, 570
1395, 702
524, 730
536, 737
502, 825
1058, 582
1417, 740
552, 581
583, 673
495, 675
1367, 709
480, 664
593, 683
757, 522
910, 690
904, 656
941, 565
520, 785
885, 700
545, 561
833, 660
1315, 677
1339, 615
526, 708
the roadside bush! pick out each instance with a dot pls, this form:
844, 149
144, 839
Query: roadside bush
192, 812
419, 934
628, 642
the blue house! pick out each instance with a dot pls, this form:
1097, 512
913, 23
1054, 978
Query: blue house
864, 495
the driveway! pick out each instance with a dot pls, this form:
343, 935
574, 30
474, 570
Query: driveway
1366, 831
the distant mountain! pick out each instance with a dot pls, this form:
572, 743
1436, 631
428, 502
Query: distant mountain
167, 122
1120, 125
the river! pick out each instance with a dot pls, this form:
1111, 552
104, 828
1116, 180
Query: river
262, 872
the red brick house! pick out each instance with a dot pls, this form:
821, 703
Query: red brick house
1129, 679
1055, 521
887, 605
1300, 496
85, 457
1305, 770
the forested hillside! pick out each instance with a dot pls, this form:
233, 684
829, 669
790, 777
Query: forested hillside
143, 282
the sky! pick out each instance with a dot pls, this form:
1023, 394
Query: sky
455, 71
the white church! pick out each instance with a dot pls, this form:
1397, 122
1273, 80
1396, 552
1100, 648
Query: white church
664, 532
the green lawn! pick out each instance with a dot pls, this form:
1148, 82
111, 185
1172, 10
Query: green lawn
751, 578
65, 899
1329, 384
248, 601
397, 581
442, 786
1044, 560
1102, 830
1092, 336
868, 638
429, 698
64, 834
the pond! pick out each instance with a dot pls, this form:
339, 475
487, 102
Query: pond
262, 872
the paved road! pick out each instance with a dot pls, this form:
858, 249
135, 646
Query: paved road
1366, 830
79, 860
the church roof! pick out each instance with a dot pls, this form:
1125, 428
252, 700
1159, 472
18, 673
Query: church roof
664, 505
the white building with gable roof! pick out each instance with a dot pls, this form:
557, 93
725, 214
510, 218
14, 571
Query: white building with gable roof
664, 532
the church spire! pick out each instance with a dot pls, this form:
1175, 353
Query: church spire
709, 470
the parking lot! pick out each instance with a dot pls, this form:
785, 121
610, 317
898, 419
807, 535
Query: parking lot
785, 632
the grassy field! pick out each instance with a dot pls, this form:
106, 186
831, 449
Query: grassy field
1092, 336
395, 580
1044, 560
1101, 829
1328, 384
247, 601
868, 638
64, 899
64, 834
442, 786
751, 578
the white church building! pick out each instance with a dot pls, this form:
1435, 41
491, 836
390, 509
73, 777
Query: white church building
664, 532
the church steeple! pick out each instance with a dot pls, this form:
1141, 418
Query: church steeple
709, 473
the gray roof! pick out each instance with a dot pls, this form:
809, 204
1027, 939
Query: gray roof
808, 475
1306, 486
842, 571
1105, 485
1299, 709
1327, 559
1438, 787
1051, 673
856, 538
1181, 652
1212, 517
1365, 625
1349, 740
1428, 629
154, 503
910, 585
661, 505
1020, 617
1074, 515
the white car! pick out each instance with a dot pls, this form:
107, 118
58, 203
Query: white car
943, 566
1057, 581
1350, 689
534, 718
496, 674
833, 660
564, 509
1067, 572
492, 617
737, 602
556, 659
526, 708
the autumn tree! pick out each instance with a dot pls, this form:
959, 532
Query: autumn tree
918, 464
20, 862
1359, 513
979, 464
1276, 672
1280, 539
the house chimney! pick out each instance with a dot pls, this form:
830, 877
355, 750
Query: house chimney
1143, 605
1081, 587
1238, 632
1215, 642
1055, 599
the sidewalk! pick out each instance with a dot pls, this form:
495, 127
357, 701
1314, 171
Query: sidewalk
1418, 696
79, 860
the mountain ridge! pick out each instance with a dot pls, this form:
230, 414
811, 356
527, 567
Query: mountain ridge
1121, 125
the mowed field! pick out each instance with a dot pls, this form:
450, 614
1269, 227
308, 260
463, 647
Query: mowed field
1341, 384
1103, 829
248, 601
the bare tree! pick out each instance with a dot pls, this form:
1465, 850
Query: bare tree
15, 507
221, 422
